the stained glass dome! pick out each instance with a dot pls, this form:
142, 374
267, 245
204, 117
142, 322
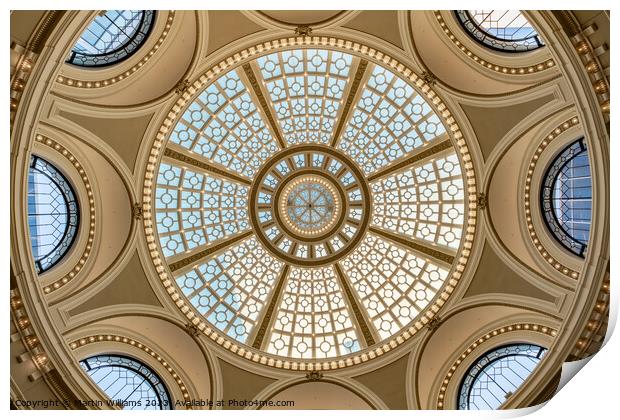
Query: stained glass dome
310, 204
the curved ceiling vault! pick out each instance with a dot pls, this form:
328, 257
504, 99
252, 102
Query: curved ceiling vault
342, 209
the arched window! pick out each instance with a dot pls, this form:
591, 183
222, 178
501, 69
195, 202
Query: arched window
503, 30
566, 197
497, 375
127, 382
111, 37
53, 214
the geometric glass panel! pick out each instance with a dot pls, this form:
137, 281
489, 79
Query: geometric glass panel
502, 30
111, 37
566, 198
53, 214
497, 375
127, 382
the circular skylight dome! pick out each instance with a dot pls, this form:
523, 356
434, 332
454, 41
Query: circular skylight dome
307, 206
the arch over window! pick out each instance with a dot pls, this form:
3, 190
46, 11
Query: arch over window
566, 198
502, 30
497, 375
128, 382
113, 36
53, 213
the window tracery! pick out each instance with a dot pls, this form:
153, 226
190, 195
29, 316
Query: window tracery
566, 198
111, 37
128, 382
53, 214
497, 375
502, 30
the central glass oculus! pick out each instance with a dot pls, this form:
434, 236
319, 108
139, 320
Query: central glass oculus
310, 205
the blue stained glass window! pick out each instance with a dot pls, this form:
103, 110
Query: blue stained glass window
111, 37
502, 30
566, 198
494, 377
53, 214
127, 382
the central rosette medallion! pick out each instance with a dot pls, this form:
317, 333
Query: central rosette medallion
309, 205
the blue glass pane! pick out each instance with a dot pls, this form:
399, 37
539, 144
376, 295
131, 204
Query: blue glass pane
566, 199
497, 375
503, 30
127, 382
52, 214
112, 37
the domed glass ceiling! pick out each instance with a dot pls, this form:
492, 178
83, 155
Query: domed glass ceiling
309, 203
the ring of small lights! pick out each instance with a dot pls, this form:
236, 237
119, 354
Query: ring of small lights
289, 201
165, 274
354, 214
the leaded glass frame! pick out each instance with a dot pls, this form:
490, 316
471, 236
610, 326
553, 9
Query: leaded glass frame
496, 375
112, 37
566, 198
142, 387
488, 28
53, 214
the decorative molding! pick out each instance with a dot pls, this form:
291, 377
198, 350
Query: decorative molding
19, 78
29, 338
434, 323
588, 54
413, 244
91, 205
314, 376
593, 334
262, 329
483, 201
303, 30
528, 187
364, 52
364, 326
181, 86
498, 331
177, 265
429, 77
357, 80
416, 157
535, 68
263, 103
93, 84
199, 163
84, 341
192, 330
40, 360
136, 211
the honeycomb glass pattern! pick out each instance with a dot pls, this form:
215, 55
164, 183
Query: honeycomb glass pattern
566, 198
128, 383
393, 284
313, 319
389, 121
224, 126
111, 37
230, 289
195, 209
497, 375
53, 214
424, 201
502, 30
306, 89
